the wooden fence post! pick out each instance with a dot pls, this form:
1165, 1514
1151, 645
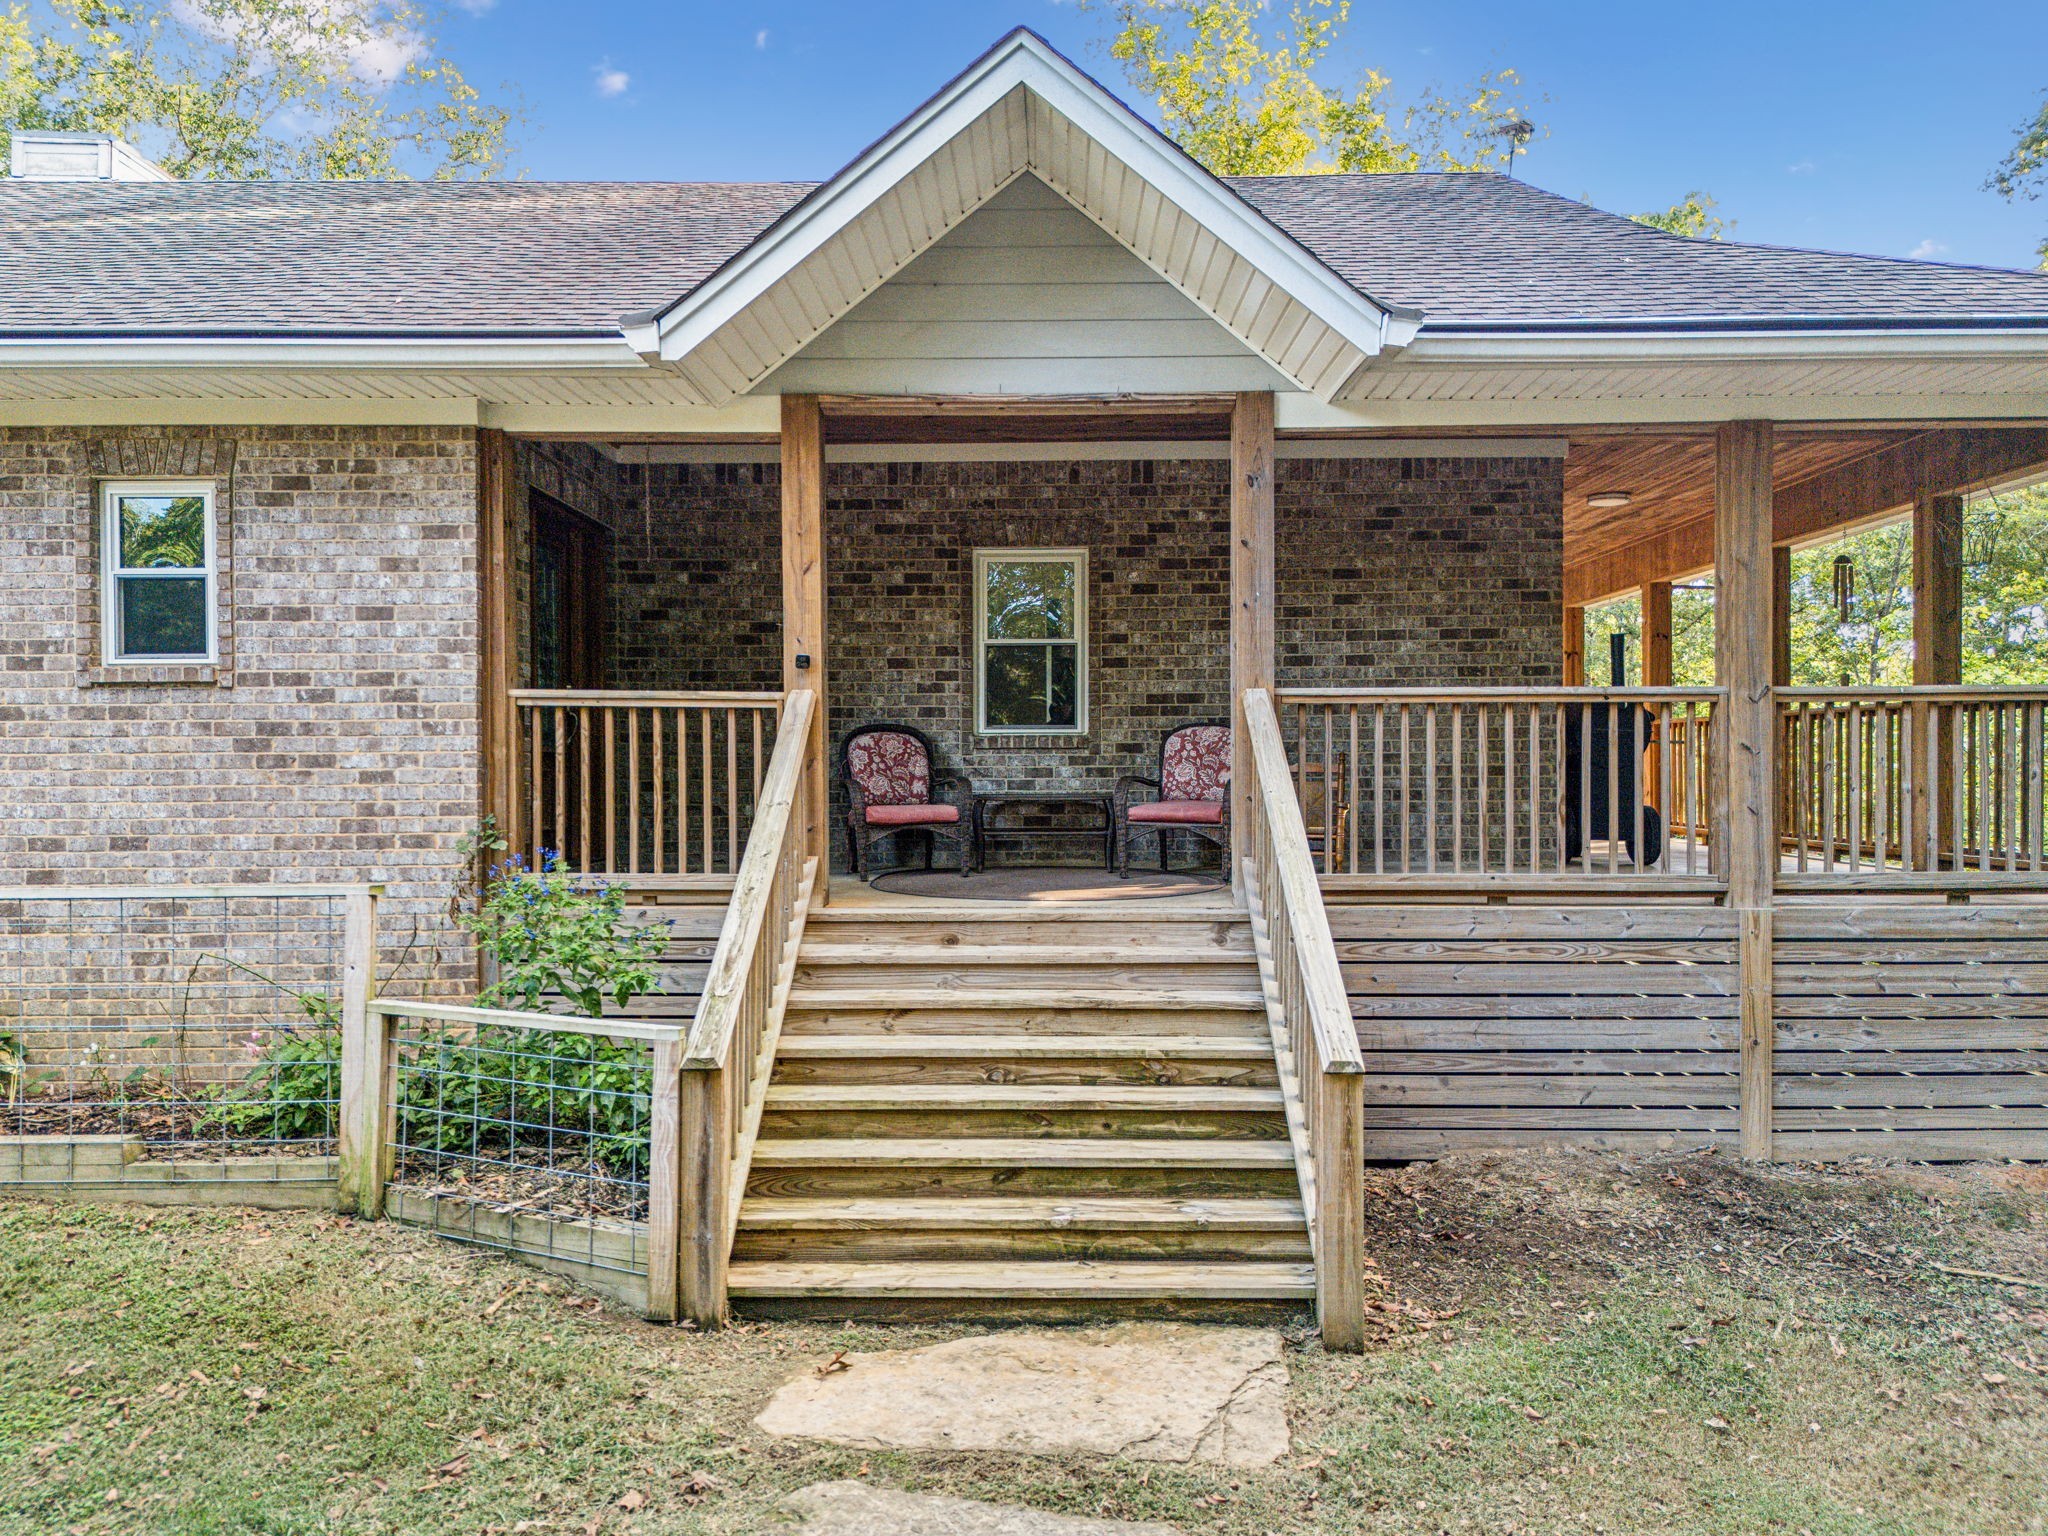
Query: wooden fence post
664, 1181
362, 1111
1754, 950
706, 1166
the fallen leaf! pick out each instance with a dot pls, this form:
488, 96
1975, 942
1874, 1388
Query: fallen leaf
630, 1500
836, 1363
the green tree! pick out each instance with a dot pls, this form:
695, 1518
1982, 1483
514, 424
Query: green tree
2024, 171
2005, 607
247, 89
1246, 98
1692, 215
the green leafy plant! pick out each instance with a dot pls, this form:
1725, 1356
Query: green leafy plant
13, 1059
292, 1092
550, 935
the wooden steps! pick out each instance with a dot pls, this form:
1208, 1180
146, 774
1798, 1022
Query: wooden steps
1042, 1114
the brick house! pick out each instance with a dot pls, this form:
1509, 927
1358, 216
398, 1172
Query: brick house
543, 501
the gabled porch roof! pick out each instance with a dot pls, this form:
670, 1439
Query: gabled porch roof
1022, 108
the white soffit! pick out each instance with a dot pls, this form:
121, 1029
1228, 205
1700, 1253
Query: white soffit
1069, 452
1021, 108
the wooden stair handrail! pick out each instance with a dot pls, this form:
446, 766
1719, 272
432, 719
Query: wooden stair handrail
1294, 868
723, 1068
1315, 1042
746, 915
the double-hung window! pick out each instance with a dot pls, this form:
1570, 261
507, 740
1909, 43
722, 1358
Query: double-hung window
157, 588
1031, 642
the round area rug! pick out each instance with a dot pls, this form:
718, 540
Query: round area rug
1044, 885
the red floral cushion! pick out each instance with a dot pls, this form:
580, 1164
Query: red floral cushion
911, 815
1185, 813
1195, 764
890, 768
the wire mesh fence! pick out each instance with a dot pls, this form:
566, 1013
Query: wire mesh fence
514, 1133
199, 1023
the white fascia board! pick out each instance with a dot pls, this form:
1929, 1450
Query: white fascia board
433, 354
1169, 450
748, 416
169, 411
1024, 61
679, 329
1524, 348
1305, 413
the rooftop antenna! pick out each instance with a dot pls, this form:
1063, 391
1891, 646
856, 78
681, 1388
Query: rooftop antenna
1518, 132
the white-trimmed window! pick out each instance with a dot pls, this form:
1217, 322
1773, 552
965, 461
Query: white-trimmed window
1031, 642
157, 587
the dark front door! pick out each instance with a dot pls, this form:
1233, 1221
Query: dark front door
567, 617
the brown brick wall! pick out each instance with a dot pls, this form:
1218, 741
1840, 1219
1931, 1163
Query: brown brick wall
340, 744
1390, 572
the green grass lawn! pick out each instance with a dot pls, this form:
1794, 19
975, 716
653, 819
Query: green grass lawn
1567, 1345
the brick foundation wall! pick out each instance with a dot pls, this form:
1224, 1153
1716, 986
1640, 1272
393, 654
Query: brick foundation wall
338, 740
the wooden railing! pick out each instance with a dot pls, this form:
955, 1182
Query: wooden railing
731, 1049
1889, 787
1505, 788
638, 786
1314, 1040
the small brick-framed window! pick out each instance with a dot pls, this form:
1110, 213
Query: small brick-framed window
1031, 642
159, 564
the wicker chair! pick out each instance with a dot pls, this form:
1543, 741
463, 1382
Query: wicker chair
1191, 794
890, 787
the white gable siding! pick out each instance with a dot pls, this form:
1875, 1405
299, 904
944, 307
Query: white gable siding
1025, 297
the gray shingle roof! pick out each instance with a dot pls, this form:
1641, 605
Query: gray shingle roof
570, 258
1486, 250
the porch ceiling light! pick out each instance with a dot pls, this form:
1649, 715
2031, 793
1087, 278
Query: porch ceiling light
1607, 501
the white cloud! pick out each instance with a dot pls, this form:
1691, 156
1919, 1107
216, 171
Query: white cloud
610, 82
761, 38
476, 7
1927, 250
1801, 168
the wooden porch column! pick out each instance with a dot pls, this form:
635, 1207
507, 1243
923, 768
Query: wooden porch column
1656, 674
1781, 616
1937, 660
1747, 736
1251, 598
497, 486
1574, 675
1938, 590
803, 605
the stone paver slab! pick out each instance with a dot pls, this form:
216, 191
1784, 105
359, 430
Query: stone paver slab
854, 1509
1149, 1391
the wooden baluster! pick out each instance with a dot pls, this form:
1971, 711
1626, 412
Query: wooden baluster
658, 776
537, 778
732, 791
1535, 789
1881, 774
2009, 786
1638, 759
708, 800
611, 790
1351, 795
633, 791
1982, 729
1379, 789
1429, 783
2034, 787
1407, 788
583, 807
1507, 786
1329, 790
1457, 789
1613, 791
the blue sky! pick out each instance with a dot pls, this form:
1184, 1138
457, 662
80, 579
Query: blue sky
1864, 127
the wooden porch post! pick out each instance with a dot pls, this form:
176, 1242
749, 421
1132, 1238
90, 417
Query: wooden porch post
1937, 660
1574, 646
803, 606
1251, 600
1781, 616
497, 486
1747, 731
1656, 674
